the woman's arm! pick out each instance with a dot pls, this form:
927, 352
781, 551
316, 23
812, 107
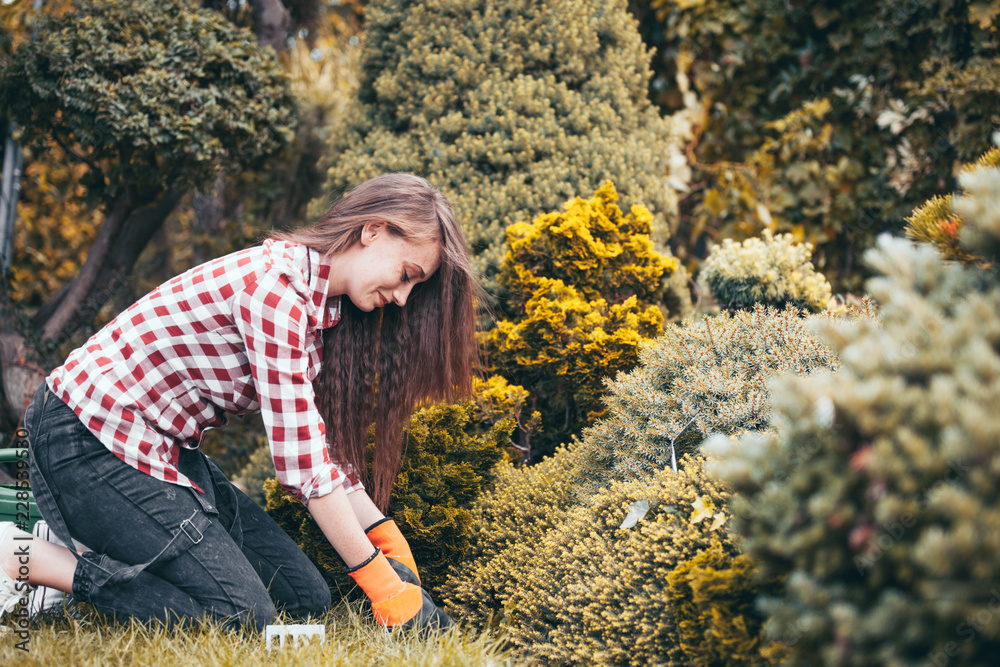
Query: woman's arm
379, 531
364, 508
334, 518
394, 602
335, 515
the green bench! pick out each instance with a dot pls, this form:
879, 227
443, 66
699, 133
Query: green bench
16, 502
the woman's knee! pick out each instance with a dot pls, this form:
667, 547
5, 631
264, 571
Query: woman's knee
256, 616
317, 600
312, 595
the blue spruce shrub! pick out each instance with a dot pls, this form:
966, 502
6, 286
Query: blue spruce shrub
877, 493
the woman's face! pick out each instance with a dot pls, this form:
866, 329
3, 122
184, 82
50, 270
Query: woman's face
382, 268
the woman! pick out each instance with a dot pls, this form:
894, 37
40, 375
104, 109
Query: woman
309, 328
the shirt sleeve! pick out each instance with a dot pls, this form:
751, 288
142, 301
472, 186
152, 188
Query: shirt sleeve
272, 318
353, 482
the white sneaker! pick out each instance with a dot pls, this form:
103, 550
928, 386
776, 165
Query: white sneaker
11, 591
43, 597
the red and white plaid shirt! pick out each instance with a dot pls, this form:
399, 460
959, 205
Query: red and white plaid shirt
235, 335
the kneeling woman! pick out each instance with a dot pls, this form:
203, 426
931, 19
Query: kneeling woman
310, 329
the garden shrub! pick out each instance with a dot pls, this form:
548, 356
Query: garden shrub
935, 221
444, 471
508, 522
594, 593
497, 399
774, 271
712, 598
510, 108
450, 456
599, 250
700, 377
876, 494
582, 284
560, 580
910, 88
156, 95
802, 179
154, 99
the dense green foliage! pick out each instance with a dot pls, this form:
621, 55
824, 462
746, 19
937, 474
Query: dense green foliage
582, 286
865, 524
156, 95
593, 591
876, 495
700, 377
828, 119
509, 107
447, 464
450, 456
773, 271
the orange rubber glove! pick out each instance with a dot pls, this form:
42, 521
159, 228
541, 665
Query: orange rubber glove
394, 602
385, 535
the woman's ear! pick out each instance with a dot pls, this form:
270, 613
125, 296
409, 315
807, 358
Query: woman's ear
370, 231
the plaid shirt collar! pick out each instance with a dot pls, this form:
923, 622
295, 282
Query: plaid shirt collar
319, 282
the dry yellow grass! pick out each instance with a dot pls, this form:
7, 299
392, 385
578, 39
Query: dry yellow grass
351, 639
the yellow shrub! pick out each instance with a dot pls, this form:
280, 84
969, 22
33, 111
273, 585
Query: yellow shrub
590, 244
55, 226
712, 598
582, 286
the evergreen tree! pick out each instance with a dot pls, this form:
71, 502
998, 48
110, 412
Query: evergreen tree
510, 107
155, 99
877, 494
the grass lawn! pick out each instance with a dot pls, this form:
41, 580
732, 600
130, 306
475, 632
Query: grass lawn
351, 639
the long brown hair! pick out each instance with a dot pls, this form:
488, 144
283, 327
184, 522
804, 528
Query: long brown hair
380, 365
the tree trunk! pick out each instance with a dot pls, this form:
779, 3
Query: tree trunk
10, 190
19, 377
209, 212
123, 236
75, 291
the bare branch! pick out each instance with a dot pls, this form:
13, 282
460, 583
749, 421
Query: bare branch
79, 158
